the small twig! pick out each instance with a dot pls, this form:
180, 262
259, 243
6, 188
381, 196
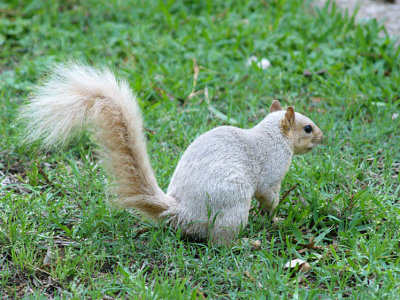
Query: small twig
196, 71
288, 192
42, 172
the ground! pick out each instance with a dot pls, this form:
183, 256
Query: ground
384, 11
60, 237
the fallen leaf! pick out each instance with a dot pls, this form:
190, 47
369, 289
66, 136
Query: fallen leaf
303, 265
311, 245
255, 244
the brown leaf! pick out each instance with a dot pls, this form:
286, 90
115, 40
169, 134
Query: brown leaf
303, 265
255, 244
311, 245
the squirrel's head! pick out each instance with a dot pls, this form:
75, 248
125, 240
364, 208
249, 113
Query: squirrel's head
299, 129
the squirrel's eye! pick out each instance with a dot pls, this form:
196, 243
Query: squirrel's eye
308, 129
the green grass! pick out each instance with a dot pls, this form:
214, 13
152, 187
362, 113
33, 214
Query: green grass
347, 195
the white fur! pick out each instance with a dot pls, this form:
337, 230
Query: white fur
56, 111
221, 171
211, 189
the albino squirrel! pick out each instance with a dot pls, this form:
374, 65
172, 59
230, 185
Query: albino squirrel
211, 189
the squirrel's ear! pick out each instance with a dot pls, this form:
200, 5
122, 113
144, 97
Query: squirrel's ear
275, 106
290, 115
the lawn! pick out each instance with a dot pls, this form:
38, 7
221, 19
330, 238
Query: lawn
59, 237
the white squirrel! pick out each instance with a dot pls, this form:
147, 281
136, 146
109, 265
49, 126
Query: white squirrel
211, 189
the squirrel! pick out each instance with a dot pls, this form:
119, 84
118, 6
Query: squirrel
210, 192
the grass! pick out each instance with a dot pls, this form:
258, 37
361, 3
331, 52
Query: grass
343, 217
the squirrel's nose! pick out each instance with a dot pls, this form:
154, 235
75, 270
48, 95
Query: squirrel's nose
321, 135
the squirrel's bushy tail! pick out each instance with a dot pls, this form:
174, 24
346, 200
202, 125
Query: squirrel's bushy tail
75, 96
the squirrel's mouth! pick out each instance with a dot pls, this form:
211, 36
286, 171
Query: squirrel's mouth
316, 141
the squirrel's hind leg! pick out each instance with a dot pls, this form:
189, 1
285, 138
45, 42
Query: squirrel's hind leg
227, 226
